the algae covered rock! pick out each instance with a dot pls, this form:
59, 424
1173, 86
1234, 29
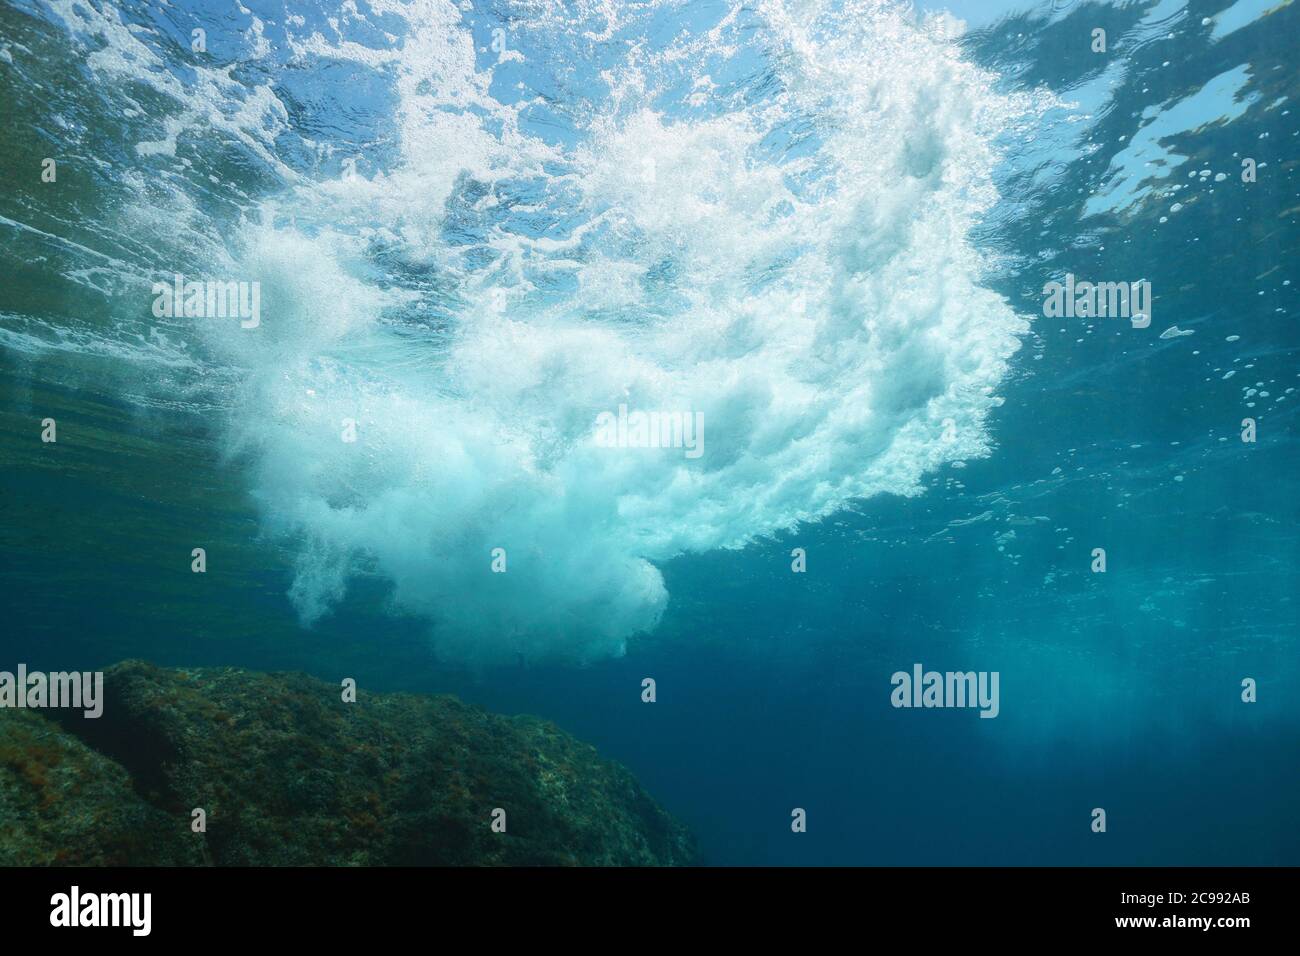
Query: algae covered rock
287, 773
63, 803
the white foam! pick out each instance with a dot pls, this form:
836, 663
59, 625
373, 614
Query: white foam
818, 301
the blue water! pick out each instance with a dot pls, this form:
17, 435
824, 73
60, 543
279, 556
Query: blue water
837, 255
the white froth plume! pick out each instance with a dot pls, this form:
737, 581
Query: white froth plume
766, 222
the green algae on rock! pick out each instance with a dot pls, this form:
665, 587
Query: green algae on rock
289, 774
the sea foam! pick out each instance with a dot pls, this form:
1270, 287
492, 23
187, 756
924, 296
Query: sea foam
764, 219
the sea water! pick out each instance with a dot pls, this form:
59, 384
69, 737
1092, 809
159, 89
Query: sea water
828, 232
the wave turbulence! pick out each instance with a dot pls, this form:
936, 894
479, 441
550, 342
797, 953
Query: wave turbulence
762, 219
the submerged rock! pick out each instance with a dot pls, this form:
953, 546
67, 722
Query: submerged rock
287, 773
63, 803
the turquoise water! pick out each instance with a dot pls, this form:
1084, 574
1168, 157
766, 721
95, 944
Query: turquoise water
826, 229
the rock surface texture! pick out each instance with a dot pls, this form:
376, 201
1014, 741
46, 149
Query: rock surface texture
289, 774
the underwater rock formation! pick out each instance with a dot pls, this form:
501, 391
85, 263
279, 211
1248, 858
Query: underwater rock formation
63, 803
288, 774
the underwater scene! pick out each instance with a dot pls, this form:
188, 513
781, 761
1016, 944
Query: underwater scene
649, 432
